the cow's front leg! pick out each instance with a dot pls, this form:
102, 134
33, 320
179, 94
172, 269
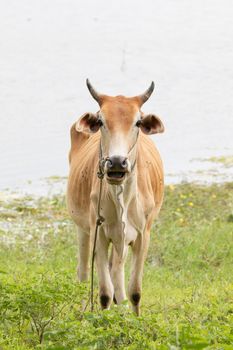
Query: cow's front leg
118, 275
105, 283
139, 252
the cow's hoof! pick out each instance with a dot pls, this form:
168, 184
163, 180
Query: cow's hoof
135, 298
104, 301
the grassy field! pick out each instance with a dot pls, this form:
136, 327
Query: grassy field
187, 300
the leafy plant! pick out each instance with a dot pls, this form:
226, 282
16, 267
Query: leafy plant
187, 288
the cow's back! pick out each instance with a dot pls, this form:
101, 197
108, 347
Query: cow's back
150, 175
83, 158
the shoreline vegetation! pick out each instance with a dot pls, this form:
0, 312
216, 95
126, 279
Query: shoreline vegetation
187, 300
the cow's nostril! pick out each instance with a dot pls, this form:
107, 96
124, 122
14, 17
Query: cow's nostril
109, 163
124, 163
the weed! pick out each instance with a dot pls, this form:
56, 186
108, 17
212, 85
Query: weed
187, 289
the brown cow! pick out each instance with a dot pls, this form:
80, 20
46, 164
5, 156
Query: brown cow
132, 190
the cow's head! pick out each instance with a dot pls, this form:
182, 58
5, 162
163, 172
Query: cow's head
120, 120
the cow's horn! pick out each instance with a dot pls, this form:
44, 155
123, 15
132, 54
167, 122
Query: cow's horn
144, 97
93, 92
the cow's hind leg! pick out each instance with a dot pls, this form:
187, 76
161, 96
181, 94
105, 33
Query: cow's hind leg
83, 255
117, 272
139, 252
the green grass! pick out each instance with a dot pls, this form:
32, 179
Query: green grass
225, 161
187, 298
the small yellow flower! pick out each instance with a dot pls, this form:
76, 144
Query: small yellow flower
171, 187
183, 196
178, 209
181, 220
191, 204
213, 195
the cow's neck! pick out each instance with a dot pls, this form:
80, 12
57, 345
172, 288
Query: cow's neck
122, 196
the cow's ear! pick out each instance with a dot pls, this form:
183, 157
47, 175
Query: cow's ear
88, 123
151, 124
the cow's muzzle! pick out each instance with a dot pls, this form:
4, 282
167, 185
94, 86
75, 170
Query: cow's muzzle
116, 169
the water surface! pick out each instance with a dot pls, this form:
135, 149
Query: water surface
48, 48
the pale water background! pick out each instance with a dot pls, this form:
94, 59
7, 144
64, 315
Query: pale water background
49, 48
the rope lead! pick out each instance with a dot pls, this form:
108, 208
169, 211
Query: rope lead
100, 219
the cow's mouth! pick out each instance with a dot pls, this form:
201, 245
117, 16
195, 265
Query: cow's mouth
114, 177
116, 174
